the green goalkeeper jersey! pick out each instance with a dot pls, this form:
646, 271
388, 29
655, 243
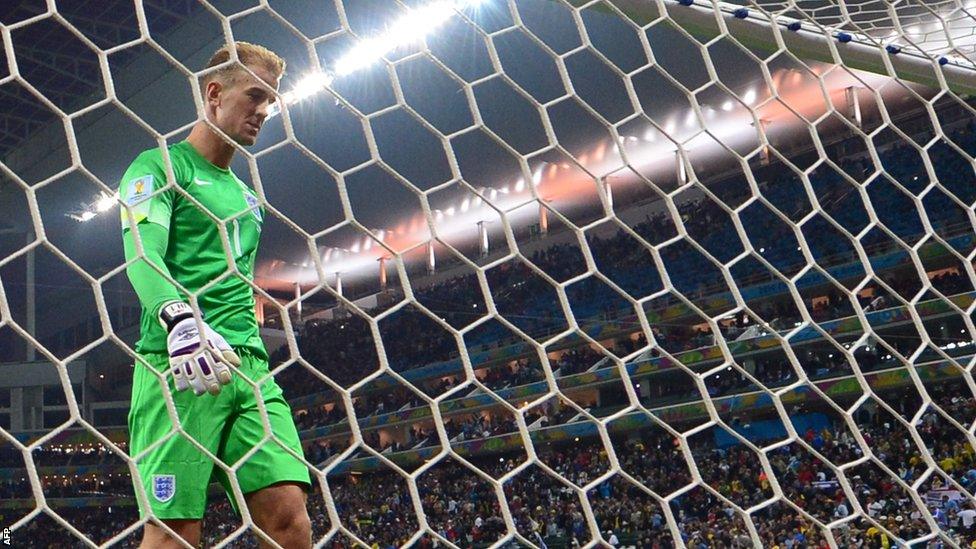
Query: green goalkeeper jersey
185, 231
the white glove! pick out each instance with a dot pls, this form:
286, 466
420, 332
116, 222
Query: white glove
197, 363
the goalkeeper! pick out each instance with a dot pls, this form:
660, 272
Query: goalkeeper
183, 242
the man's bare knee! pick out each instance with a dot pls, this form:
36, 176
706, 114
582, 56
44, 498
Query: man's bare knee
280, 512
290, 530
154, 536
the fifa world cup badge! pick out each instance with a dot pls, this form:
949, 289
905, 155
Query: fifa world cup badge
139, 190
164, 487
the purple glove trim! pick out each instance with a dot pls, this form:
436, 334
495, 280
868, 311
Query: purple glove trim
204, 367
183, 351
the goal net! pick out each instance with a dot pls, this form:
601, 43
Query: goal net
532, 273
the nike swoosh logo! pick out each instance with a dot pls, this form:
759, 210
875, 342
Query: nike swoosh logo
202, 182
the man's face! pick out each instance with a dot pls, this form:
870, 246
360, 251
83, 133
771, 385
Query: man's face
240, 106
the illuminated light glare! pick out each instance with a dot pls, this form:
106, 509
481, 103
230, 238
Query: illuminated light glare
105, 202
308, 86
86, 216
418, 22
600, 151
650, 135
504, 189
355, 248
520, 185
749, 97
649, 150
450, 211
690, 118
465, 204
362, 55
413, 26
537, 176
727, 106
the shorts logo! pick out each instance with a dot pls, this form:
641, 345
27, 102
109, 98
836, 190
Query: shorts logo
164, 487
139, 190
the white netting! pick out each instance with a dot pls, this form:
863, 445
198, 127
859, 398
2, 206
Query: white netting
649, 283
935, 28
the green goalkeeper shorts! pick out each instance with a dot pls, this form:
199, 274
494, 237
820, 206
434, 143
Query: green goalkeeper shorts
176, 473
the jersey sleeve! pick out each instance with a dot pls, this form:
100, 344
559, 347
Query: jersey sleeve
141, 190
151, 209
152, 286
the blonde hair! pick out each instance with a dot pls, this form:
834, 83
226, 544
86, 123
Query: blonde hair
247, 54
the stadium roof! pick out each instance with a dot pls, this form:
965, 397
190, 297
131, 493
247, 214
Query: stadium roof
55, 61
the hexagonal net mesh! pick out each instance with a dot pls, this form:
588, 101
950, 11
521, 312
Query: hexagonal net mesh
928, 28
650, 275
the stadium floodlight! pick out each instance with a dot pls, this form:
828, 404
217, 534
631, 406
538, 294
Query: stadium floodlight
749, 97
417, 24
412, 27
105, 202
363, 55
309, 85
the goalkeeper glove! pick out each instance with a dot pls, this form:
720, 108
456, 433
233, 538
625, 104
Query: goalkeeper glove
197, 362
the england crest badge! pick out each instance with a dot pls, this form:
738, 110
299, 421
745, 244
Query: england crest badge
164, 487
252, 204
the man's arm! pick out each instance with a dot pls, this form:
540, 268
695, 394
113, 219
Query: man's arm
149, 210
153, 287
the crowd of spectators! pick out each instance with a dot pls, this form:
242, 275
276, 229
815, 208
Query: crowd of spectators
670, 385
92, 453
462, 506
